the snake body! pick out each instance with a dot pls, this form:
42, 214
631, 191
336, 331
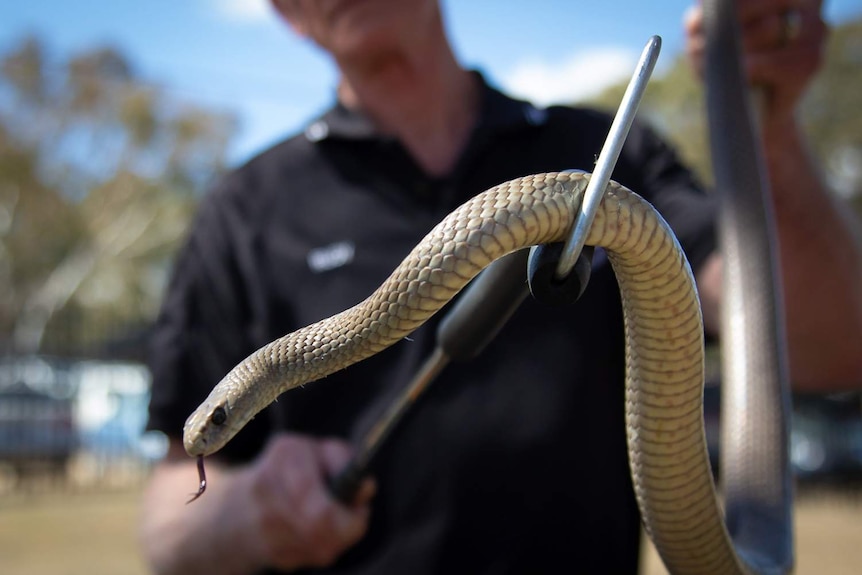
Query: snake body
663, 333
755, 398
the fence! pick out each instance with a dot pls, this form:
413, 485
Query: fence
80, 423
74, 423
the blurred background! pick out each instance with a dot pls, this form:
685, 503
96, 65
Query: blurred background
115, 117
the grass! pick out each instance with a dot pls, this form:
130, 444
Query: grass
828, 536
68, 533
92, 532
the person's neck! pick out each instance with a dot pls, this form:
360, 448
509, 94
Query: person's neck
428, 102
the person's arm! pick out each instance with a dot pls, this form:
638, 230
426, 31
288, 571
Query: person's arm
821, 259
819, 239
275, 512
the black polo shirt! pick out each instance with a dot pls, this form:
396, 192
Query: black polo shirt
512, 463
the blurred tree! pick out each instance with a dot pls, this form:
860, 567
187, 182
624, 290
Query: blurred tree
674, 104
831, 112
100, 170
99, 173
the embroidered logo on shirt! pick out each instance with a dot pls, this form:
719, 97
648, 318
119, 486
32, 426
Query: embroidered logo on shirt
330, 257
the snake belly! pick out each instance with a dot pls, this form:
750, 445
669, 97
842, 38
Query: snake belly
663, 334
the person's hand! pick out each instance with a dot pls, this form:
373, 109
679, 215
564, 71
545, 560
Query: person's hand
298, 522
782, 41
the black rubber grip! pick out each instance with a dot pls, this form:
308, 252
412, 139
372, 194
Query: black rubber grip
469, 325
542, 270
484, 307
345, 484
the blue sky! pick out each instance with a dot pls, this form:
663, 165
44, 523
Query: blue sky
235, 55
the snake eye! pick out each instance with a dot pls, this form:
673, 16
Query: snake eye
219, 416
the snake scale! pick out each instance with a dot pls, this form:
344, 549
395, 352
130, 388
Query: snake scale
663, 334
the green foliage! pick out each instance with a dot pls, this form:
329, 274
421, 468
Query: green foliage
100, 171
831, 112
674, 104
99, 174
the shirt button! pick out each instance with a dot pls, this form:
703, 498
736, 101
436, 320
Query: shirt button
317, 131
534, 115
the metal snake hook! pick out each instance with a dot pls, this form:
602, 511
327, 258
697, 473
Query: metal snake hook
608, 157
454, 338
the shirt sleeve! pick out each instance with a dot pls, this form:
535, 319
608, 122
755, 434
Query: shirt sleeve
202, 330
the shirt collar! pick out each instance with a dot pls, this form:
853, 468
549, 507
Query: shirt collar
500, 113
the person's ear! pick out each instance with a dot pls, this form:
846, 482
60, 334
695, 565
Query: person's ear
290, 13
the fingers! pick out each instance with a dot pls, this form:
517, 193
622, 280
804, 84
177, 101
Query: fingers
765, 25
695, 37
752, 10
791, 62
789, 23
782, 42
300, 523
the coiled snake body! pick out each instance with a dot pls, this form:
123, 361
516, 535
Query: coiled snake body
664, 345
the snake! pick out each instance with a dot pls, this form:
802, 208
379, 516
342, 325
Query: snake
664, 341
749, 529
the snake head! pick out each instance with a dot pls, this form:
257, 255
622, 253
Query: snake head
228, 408
208, 429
